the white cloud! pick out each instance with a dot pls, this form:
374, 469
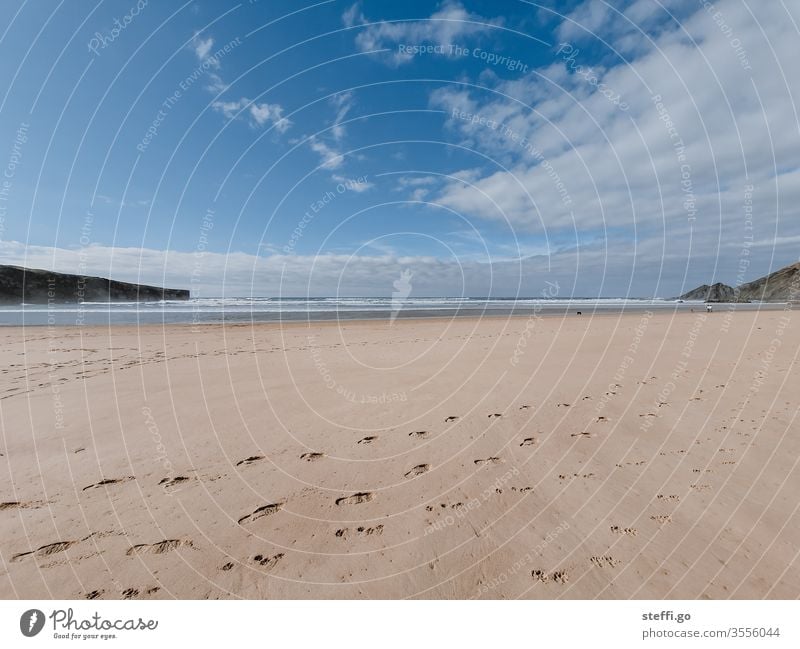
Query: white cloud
450, 24
354, 184
330, 155
331, 158
353, 16
216, 85
621, 169
241, 274
342, 103
415, 181
202, 48
584, 20
478, 268
258, 114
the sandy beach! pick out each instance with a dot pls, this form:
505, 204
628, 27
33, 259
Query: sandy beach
622, 456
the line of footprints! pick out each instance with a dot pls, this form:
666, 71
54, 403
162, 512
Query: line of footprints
269, 562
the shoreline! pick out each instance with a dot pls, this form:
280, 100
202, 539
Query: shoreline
416, 315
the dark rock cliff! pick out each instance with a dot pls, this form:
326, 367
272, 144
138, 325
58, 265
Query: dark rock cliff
781, 286
34, 286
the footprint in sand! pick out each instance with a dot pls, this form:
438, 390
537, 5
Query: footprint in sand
450, 418
265, 510
312, 457
581, 435
524, 407
356, 498
95, 594
661, 518
528, 441
28, 505
368, 439
674, 497
563, 476
107, 482
559, 576
488, 460
161, 547
419, 434
360, 531
268, 562
700, 487
628, 531
494, 415
227, 566
250, 460
417, 470
45, 550
369, 531
605, 561
130, 593
171, 482
540, 575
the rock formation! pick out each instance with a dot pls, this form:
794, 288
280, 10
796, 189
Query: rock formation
34, 286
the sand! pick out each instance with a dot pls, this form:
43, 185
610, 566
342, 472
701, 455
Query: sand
581, 457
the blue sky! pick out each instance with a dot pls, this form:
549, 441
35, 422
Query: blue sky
264, 148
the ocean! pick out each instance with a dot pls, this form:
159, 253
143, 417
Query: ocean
272, 309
